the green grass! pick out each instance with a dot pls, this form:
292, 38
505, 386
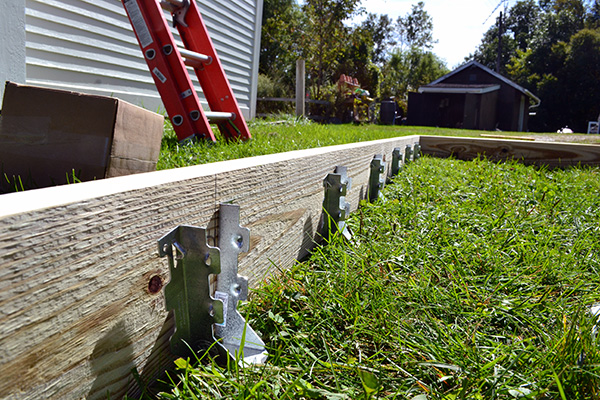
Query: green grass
471, 280
287, 134
284, 134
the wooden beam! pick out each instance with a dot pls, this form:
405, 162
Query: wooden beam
552, 154
77, 312
300, 88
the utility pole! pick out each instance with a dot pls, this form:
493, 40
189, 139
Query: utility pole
499, 57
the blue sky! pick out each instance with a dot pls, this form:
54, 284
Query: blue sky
458, 25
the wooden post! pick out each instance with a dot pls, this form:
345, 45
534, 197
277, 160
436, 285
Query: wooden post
300, 88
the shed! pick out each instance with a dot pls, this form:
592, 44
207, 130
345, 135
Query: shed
88, 46
472, 97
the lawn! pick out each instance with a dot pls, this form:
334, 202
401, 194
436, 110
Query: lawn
469, 280
287, 134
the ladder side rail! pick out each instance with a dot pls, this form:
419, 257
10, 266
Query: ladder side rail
168, 70
212, 78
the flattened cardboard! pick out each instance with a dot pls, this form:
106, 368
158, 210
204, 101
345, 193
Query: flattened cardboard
48, 135
136, 141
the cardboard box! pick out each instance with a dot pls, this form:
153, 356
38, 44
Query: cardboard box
47, 135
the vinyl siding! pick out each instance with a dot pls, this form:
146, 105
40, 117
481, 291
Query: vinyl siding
89, 46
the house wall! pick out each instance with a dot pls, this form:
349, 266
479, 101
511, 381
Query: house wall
12, 43
89, 46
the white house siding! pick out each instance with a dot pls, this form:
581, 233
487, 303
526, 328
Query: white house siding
89, 46
12, 43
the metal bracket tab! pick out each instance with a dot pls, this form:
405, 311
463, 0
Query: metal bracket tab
337, 209
417, 151
191, 261
240, 340
408, 154
397, 160
376, 178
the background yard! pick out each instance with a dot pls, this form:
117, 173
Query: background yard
287, 134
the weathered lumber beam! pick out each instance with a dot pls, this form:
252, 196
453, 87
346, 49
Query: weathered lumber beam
551, 154
80, 277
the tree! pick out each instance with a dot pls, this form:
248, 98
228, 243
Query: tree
409, 69
521, 22
547, 50
487, 52
593, 16
568, 81
380, 28
366, 51
518, 26
415, 29
324, 37
356, 59
582, 79
280, 37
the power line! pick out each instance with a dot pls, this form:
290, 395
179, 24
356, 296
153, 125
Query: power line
496, 9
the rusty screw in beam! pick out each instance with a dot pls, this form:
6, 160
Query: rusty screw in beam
155, 284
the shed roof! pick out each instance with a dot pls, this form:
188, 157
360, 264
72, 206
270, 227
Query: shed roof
458, 88
489, 71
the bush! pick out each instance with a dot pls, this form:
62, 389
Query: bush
269, 87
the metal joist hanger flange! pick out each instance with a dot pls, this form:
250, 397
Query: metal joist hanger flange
204, 322
191, 262
336, 208
240, 340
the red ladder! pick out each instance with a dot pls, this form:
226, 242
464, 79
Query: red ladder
167, 64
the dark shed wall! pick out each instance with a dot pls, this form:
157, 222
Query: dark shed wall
436, 109
509, 98
488, 113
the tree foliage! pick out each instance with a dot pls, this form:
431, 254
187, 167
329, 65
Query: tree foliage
551, 48
282, 22
318, 31
415, 29
325, 36
409, 69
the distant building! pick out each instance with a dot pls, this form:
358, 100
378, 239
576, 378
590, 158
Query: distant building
472, 97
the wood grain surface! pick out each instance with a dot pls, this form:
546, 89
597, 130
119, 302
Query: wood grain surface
76, 310
552, 154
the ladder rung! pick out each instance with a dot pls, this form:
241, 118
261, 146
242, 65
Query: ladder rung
194, 59
219, 116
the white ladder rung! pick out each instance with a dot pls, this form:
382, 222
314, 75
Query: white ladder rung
219, 116
193, 59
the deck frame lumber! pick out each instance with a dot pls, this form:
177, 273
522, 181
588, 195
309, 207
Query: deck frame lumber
76, 313
551, 154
